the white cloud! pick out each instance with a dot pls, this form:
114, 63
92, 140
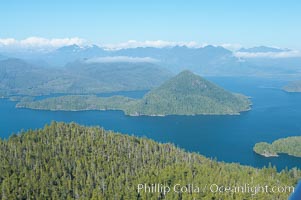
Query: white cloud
284, 54
39, 42
7, 41
150, 43
112, 59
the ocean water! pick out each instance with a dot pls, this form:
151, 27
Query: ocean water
275, 114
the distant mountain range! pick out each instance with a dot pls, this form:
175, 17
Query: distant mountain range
262, 49
209, 60
174, 58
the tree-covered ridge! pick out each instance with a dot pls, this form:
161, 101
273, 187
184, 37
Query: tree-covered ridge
18, 77
294, 86
80, 102
68, 161
290, 146
185, 94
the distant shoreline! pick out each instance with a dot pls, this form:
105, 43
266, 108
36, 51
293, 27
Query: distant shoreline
267, 155
131, 115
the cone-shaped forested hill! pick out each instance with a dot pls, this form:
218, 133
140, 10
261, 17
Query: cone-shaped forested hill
190, 94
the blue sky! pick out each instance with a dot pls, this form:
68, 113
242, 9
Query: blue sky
249, 23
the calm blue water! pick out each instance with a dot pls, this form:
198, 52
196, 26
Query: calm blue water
275, 114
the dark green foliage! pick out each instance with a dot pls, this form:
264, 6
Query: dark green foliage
68, 161
185, 94
290, 145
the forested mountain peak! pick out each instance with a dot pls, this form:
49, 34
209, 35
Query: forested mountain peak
190, 94
187, 82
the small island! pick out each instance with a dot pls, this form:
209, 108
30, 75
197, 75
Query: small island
294, 86
184, 94
290, 146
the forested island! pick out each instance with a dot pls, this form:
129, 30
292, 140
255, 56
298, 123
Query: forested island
290, 146
294, 86
68, 161
184, 94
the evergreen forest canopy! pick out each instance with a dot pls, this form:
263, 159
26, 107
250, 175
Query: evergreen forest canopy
184, 94
68, 161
